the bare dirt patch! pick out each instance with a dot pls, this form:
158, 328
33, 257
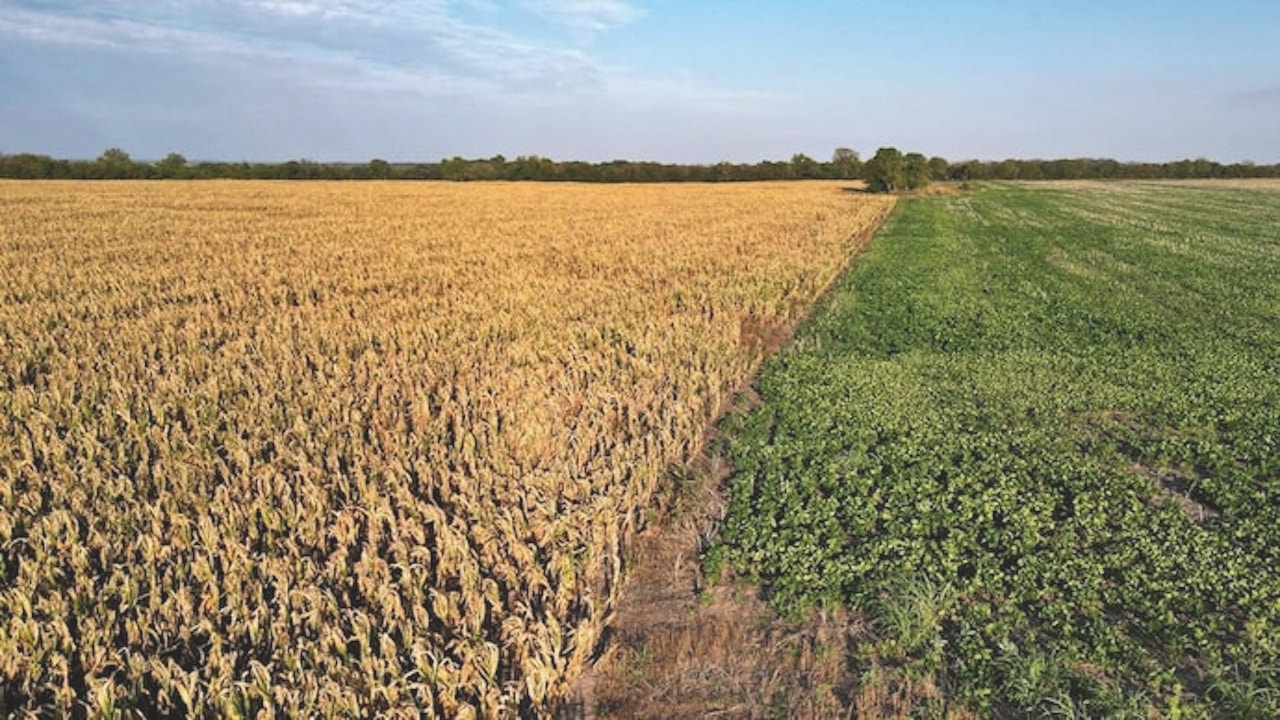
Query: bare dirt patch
680, 648
1175, 486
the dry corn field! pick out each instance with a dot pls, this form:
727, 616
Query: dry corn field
354, 449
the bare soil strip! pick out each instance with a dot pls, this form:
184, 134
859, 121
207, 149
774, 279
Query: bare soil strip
678, 647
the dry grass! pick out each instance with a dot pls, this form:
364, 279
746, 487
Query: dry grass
354, 449
1239, 183
680, 647
1125, 185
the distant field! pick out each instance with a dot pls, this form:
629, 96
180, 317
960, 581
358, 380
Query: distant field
1034, 436
1256, 184
355, 449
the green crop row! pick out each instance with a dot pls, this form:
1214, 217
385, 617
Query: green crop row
1035, 435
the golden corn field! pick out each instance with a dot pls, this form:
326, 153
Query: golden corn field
351, 449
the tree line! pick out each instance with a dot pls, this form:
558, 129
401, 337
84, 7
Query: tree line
889, 170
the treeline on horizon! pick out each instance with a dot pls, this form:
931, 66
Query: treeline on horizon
845, 164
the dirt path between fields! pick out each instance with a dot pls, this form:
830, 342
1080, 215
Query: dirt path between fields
678, 647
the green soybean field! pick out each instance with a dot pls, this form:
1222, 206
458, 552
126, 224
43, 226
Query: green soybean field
1033, 436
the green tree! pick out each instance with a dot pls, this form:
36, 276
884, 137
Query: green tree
804, 167
886, 171
174, 165
482, 170
379, 169
937, 168
455, 168
26, 166
498, 163
114, 164
1008, 169
846, 164
916, 169
531, 167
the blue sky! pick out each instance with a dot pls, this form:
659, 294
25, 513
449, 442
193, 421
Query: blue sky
667, 80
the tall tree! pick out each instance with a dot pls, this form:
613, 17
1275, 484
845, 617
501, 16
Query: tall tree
916, 168
804, 167
379, 169
174, 165
114, 164
886, 171
846, 164
937, 168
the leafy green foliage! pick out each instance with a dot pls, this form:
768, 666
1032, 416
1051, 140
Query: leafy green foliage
886, 171
1055, 414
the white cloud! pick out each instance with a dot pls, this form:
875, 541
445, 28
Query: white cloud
343, 79
417, 45
586, 15
292, 9
70, 30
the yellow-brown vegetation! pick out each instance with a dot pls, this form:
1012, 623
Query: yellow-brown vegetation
346, 449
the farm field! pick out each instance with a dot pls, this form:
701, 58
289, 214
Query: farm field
1034, 437
353, 449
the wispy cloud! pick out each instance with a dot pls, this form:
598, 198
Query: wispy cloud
346, 79
420, 45
586, 15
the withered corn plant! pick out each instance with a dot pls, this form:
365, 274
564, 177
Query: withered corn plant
335, 450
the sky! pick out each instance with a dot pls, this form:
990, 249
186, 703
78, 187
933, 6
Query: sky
688, 81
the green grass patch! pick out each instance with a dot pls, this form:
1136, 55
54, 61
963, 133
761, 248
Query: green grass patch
1035, 433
